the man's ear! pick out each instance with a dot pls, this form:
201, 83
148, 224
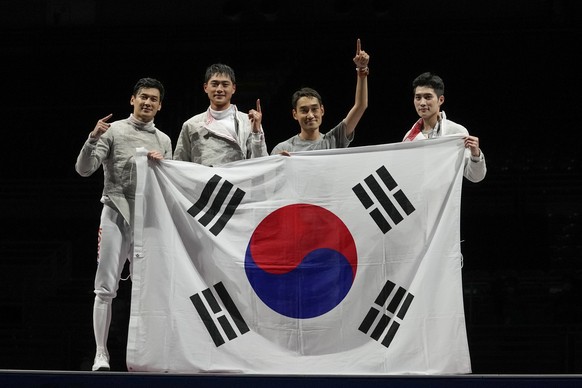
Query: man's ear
294, 113
322, 110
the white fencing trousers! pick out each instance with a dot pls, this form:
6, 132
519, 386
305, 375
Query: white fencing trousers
115, 246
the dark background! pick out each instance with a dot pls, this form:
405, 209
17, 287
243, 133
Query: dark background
512, 77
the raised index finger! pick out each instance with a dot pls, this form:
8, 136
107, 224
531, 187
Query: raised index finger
259, 105
104, 119
358, 47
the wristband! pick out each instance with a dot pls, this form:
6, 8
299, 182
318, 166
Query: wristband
363, 71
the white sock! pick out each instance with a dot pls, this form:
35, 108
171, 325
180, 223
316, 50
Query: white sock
101, 322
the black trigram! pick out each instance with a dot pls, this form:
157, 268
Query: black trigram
384, 329
218, 318
382, 197
217, 204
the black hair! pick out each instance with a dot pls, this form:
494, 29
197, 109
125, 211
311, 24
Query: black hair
305, 92
431, 80
146, 83
219, 68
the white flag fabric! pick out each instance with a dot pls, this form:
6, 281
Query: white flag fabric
326, 262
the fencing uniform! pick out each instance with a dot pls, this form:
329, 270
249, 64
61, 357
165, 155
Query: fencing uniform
115, 151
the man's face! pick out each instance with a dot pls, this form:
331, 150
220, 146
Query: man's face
308, 112
426, 102
146, 103
219, 89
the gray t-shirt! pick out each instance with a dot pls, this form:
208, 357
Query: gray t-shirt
336, 138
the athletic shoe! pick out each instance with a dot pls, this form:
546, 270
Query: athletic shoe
101, 362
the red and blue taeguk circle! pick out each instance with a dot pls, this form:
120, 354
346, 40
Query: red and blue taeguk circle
301, 261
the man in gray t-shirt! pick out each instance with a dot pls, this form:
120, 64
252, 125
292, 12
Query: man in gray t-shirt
308, 110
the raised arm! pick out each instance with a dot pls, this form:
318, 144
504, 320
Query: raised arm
91, 155
256, 116
361, 100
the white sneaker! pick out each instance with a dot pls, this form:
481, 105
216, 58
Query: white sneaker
101, 362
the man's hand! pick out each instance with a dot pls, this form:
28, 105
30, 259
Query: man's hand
256, 116
155, 155
472, 142
101, 127
362, 58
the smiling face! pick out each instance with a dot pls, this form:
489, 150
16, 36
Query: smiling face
309, 113
426, 103
219, 89
146, 103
